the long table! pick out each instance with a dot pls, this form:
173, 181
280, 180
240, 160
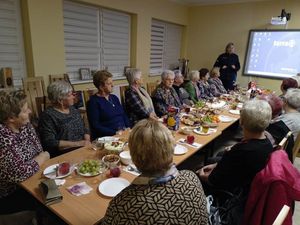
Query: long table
90, 208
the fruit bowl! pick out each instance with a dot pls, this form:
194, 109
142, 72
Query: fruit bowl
111, 160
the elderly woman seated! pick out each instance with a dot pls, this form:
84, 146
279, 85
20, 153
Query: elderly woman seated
203, 85
239, 165
287, 84
216, 85
181, 92
297, 78
21, 153
105, 113
161, 193
165, 95
61, 127
138, 102
192, 86
291, 116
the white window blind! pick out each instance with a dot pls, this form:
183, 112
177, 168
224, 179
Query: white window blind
11, 40
96, 39
115, 41
165, 46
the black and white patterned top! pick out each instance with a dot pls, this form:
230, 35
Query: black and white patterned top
179, 201
17, 152
55, 126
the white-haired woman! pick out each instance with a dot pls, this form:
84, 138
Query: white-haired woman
138, 102
181, 92
216, 85
161, 194
291, 115
192, 86
239, 165
165, 95
60, 126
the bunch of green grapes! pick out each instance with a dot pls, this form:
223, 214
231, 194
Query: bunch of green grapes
207, 119
90, 166
200, 104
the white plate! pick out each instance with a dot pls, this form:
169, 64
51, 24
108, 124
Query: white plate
180, 150
240, 105
110, 147
197, 131
234, 111
216, 105
48, 172
225, 119
113, 186
108, 139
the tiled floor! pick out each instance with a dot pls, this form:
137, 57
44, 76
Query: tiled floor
296, 216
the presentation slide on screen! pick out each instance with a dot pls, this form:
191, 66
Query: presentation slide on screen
273, 53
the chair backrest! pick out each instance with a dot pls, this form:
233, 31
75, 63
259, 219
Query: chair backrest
296, 146
282, 215
284, 142
122, 94
151, 87
34, 87
41, 104
88, 93
56, 77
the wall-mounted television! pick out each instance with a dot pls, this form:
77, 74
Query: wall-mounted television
273, 53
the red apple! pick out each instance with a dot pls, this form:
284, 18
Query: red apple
63, 169
190, 139
115, 172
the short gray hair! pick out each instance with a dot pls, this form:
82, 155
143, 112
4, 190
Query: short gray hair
58, 90
194, 74
133, 74
256, 115
166, 73
177, 73
292, 97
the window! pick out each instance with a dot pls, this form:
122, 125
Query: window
11, 40
95, 38
165, 46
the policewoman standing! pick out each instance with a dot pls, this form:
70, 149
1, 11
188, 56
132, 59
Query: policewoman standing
229, 64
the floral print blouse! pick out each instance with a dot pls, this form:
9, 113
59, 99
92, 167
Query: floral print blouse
17, 152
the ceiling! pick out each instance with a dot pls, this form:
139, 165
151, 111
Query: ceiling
212, 2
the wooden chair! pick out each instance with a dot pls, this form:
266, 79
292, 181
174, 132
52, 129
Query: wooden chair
88, 93
34, 87
284, 142
151, 87
296, 147
56, 77
122, 94
282, 215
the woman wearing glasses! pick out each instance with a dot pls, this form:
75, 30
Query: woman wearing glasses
61, 127
165, 95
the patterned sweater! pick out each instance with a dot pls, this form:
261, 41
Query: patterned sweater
17, 151
216, 87
55, 126
179, 201
163, 98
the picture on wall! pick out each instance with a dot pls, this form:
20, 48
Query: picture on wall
85, 74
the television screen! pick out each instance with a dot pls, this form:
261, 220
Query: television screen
273, 53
